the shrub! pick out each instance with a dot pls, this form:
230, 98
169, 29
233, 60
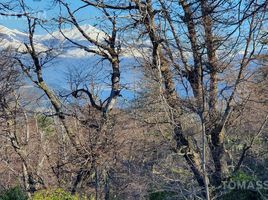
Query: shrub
58, 194
162, 195
45, 124
242, 195
15, 193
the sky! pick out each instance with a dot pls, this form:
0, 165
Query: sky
46, 10
56, 76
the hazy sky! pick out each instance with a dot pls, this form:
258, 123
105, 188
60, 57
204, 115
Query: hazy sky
57, 74
46, 10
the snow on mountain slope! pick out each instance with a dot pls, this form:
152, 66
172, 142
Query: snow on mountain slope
75, 35
70, 58
12, 38
16, 39
11, 34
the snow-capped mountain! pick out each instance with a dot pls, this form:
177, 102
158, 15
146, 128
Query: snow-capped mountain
70, 58
13, 38
74, 34
16, 39
58, 39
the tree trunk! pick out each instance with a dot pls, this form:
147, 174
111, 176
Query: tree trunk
218, 154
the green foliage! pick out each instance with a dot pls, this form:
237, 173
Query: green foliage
242, 176
45, 124
15, 193
58, 194
242, 195
161, 195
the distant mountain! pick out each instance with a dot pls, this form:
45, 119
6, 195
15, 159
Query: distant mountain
16, 39
72, 58
75, 35
12, 38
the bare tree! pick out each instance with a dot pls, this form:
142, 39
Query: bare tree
16, 124
32, 62
201, 41
200, 59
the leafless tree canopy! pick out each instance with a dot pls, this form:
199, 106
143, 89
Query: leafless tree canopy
172, 103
